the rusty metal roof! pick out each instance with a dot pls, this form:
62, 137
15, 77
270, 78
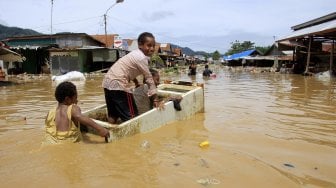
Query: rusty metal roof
58, 35
102, 39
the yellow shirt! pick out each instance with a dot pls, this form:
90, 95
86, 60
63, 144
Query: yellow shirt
53, 136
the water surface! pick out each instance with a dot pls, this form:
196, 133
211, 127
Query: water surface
264, 129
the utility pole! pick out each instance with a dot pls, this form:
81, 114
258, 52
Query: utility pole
105, 17
105, 30
48, 62
51, 16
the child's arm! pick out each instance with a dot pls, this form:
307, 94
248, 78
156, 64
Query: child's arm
79, 117
136, 82
156, 102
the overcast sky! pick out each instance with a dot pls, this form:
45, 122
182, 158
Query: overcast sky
206, 25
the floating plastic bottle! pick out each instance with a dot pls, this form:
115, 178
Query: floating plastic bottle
204, 144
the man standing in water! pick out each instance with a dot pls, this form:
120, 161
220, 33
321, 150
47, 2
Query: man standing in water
192, 69
116, 83
2, 74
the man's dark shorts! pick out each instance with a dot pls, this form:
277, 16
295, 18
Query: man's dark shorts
120, 104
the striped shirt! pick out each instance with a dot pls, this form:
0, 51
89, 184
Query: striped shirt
126, 69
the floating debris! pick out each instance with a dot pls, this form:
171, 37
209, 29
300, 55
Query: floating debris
204, 144
289, 165
208, 181
204, 163
145, 144
15, 118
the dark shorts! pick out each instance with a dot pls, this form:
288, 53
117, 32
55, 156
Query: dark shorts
120, 104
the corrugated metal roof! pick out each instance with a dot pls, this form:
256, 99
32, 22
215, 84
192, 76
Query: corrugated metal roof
91, 48
4, 51
102, 39
316, 21
157, 48
57, 35
10, 56
320, 29
270, 57
40, 41
177, 51
166, 49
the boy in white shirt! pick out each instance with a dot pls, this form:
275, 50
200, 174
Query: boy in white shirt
117, 81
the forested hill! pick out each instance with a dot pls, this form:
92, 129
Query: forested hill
188, 51
6, 32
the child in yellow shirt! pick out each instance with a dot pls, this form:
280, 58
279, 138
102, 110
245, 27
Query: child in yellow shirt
62, 122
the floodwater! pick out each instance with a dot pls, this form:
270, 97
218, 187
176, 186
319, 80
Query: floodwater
264, 130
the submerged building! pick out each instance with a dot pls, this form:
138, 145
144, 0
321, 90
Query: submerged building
61, 53
313, 45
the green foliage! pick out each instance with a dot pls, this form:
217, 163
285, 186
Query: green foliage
216, 55
156, 60
262, 49
206, 56
237, 47
171, 70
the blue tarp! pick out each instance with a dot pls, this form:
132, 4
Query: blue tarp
239, 55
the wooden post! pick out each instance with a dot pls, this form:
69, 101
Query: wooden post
294, 54
308, 57
331, 57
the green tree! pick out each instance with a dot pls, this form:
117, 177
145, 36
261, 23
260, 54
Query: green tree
216, 55
237, 47
262, 49
206, 56
156, 61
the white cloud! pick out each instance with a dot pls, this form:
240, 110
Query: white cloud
156, 16
199, 24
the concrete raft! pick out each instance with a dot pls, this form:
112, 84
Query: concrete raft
192, 103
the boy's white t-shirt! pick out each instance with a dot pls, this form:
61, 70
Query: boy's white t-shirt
127, 68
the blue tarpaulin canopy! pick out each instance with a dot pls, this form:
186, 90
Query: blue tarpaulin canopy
239, 55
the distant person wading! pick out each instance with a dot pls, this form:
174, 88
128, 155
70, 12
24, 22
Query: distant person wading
192, 69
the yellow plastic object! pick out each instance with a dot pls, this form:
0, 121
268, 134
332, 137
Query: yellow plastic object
204, 144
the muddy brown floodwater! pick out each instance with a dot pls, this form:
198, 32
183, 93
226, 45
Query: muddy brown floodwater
265, 130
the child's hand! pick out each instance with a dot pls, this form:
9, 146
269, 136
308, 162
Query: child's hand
159, 104
104, 132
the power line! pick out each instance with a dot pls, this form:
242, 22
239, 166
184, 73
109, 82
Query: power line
68, 22
133, 26
169, 37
